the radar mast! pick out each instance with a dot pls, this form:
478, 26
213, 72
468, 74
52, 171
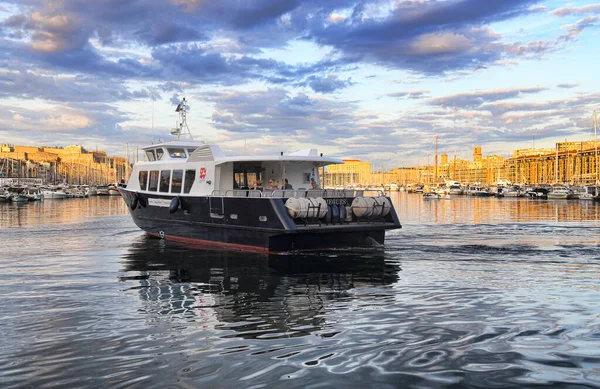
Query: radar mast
182, 127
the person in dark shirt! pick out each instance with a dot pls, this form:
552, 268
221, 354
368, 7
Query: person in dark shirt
287, 185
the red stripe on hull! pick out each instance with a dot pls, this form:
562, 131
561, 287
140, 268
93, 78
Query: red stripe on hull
212, 244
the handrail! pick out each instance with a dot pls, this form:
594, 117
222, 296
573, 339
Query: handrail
296, 193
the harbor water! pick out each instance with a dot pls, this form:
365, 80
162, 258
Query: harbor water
470, 293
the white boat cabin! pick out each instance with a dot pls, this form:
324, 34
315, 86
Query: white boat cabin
192, 169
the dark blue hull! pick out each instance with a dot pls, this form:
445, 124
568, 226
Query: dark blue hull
257, 224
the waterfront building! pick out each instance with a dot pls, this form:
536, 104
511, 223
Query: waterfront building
71, 164
351, 172
569, 162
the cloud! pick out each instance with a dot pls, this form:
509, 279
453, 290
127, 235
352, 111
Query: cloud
575, 30
565, 85
414, 95
328, 84
586, 9
476, 99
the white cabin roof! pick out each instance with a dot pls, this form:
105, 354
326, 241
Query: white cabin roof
209, 152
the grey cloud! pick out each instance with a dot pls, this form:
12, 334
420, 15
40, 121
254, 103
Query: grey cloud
567, 85
586, 9
476, 99
413, 95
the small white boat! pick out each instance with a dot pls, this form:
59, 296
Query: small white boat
50, 194
561, 193
431, 196
113, 191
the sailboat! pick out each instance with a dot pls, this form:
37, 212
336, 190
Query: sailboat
597, 195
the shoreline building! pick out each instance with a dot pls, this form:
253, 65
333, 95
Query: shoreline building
569, 162
71, 164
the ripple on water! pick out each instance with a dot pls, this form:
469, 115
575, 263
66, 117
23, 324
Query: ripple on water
492, 304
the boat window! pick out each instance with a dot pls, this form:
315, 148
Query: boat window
150, 155
153, 184
165, 176
159, 154
190, 176
176, 153
143, 178
176, 180
190, 151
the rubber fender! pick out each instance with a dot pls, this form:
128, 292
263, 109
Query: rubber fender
174, 205
327, 218
134, 201
342, 213
335, 214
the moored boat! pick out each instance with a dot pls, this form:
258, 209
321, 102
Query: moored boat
193, 192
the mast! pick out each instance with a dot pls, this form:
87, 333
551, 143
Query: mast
436, 160
556, 166
182, 127
596, 147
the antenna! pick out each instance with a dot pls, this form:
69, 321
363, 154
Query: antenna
182, 127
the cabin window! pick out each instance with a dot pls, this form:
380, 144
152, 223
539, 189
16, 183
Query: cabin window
150, 155
176, 153
190, 176
153, 184
143, 178
159, 154
165, 176
176, 180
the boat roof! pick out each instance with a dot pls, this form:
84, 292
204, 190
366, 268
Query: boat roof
210, 152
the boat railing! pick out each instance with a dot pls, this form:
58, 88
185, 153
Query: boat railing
288, 193
243, 193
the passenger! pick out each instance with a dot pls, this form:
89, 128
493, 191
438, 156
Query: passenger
273, 184
314, 184
258, 186
287, 185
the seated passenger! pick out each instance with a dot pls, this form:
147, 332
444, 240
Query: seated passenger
258, 186
286, 184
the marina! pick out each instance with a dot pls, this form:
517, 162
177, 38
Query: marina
472, 291
370, 194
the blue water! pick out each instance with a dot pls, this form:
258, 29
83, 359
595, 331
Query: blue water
471, 293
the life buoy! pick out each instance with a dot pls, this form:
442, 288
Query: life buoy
134, 201
174, 205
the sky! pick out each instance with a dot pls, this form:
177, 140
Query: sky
373, 80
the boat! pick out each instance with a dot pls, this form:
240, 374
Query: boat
479, 191
537, 193
33, 194
113, 190
561, 193
188, 191
92, 190
454, 188
102, 190
513, 191
4, 195
53, 193
431, 196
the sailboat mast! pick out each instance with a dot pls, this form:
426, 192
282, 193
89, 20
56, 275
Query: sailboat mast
436, 160
596, 146
556, 166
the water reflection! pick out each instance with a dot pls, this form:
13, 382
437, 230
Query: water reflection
488, 210
253, 295
65, 211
